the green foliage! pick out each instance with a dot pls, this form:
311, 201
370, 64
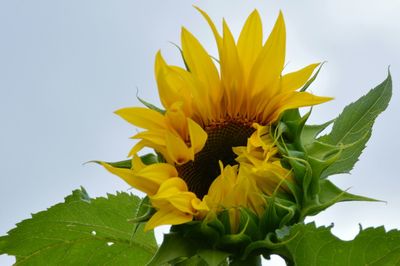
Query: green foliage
183, 58
174, 246
184, 251
150, 106
83, 231
353, 127
127, 164
313, 158
148, 159
312, 79
312, 246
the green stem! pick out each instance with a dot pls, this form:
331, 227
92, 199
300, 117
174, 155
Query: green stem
250, 261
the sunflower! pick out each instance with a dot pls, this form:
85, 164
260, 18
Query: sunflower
215, 139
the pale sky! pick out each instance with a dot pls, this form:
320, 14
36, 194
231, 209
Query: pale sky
65, 66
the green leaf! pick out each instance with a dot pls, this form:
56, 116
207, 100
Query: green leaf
147, 159
120, 164
213, 257
82, 231
173, 247
310, 133
329, 194
183, 58
312, 79
144, 211
3, 244
177, 249
352, 128
150, 106
313, 246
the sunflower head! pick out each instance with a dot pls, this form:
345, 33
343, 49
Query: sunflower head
225, 169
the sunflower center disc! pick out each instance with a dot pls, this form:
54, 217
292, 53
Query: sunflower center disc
200, 173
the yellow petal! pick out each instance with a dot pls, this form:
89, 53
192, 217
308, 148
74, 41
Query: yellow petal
177, 149
174, 191
138, 146
201, 67
168, 94
146, 143
159, 63
250, 42
270, 177
198, 136
183, 202
231, 72
168, 216
174, 84
128, 175
137, 163
217, 36
170, 186
269, 63
199, 62
269, 107
157, 173
220, 193
200, 205
247, 186
155, 136
177, 121
298, 99
124, 173
295, 80
142, 117
177, 85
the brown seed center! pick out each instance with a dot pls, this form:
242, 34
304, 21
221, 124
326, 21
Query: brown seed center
200, 173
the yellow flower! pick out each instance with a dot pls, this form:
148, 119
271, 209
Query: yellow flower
215, 133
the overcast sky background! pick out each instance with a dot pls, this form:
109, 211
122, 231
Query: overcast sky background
65, 66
